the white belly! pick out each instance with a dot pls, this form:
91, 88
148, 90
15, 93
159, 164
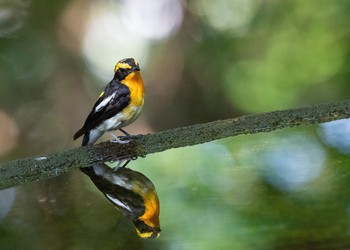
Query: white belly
121, 119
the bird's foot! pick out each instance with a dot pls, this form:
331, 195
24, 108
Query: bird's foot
121, 140
123, 163
131, 137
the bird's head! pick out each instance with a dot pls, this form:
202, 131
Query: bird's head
125, 67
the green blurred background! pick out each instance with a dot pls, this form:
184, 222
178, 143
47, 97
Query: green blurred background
201, 61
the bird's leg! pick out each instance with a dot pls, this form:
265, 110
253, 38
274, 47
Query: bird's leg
126, 163
124, 132
121, 165
127, 135
116, 139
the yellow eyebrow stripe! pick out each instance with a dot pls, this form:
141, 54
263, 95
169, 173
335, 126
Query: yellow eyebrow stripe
101, 94
122, 66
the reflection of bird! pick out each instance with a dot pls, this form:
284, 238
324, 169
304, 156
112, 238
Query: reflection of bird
118, 105
132, 193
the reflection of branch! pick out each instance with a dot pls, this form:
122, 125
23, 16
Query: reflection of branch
41, 167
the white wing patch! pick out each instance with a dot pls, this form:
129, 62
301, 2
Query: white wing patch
104, 103
118, 202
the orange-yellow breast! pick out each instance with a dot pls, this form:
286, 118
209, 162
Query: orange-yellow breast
130, 113
151, 215
135, 83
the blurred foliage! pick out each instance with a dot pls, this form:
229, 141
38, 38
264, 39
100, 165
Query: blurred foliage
201, 61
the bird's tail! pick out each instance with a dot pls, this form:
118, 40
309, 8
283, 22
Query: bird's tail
91, 137
85, 139
79, 133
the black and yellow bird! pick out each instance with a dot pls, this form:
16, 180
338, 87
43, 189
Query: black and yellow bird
117, 106
132, 193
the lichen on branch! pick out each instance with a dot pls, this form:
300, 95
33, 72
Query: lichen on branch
42, 167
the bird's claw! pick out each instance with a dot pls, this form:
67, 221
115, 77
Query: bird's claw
123, 163
121, 139
131, 137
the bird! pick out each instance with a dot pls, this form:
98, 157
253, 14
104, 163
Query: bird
132, 193
119, 105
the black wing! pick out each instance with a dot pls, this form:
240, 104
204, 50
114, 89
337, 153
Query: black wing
119, 96
107, 181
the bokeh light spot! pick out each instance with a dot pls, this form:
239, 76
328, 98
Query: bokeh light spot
8, 133
337, 134
294, 162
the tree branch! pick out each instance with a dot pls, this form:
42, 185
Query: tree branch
41, 167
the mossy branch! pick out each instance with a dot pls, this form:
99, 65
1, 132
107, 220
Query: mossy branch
41, 167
